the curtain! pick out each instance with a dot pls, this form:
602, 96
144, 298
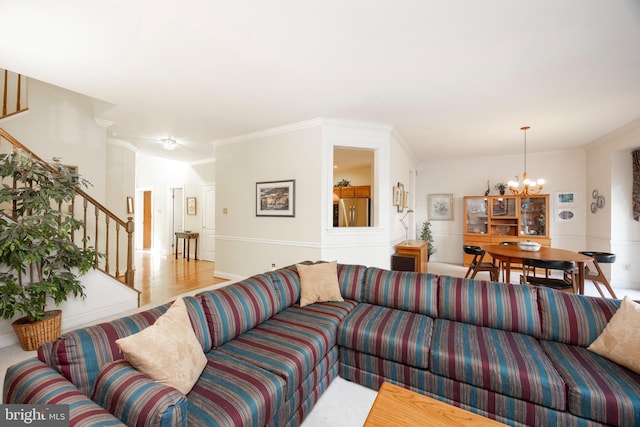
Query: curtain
636, 185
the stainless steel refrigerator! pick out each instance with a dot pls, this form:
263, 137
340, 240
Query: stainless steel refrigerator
353, 212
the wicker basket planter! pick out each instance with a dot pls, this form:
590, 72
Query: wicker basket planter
33, 335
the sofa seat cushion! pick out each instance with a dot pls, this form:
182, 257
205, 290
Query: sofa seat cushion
231, 392
505, 362
598, 388
387, 333
291, 344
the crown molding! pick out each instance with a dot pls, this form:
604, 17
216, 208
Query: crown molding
103, 123
320, 121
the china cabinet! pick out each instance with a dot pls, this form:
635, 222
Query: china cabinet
498, 219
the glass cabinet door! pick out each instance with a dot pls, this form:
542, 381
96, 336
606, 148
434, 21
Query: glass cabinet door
476, 215
533, 216
503, 206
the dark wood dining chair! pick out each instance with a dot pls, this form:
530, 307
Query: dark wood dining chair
567, 283
597, 276
477, 264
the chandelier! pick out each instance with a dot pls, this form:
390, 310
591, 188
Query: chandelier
529, 186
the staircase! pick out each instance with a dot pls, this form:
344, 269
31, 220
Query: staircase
110, 236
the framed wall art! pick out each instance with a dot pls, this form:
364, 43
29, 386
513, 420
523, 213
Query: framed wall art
129, 205
398, 197
276, 198
440, 207
564, 214
565, 198
191, 205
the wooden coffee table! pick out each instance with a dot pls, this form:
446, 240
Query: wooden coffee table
399, 407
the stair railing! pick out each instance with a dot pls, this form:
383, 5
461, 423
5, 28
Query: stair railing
14, 94
105, 230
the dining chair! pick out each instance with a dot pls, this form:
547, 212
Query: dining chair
477, 264
567, 283
597, 276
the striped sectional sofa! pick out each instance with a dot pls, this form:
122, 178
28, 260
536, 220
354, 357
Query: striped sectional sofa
513, 353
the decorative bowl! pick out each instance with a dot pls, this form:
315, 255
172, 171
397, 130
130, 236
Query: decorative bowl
529, 246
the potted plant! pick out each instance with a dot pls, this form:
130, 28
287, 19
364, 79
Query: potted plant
39, 263
425, 234
501, 187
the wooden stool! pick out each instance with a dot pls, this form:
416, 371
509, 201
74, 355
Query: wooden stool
598, 276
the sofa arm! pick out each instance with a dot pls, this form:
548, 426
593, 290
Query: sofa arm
137, 399
33, 381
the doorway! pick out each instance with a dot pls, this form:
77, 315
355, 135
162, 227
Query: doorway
146, 220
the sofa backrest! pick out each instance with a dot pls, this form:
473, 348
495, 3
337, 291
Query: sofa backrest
287, 282
351, 279
574, 319
78, 355
409, 291
490, 304
234, 309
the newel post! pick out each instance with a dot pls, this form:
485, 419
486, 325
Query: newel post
130, 271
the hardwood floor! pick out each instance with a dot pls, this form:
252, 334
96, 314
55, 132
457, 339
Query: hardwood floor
159, 277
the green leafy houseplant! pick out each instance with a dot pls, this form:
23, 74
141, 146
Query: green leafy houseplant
38, 260
425, 234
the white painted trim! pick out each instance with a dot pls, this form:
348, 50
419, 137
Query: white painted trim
320, 121
267, 132
312, 245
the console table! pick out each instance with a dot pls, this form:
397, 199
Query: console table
187, 242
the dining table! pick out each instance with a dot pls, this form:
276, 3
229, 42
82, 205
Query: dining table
512, 254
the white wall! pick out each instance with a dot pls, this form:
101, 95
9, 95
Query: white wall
613, 229
562, 170
247, 244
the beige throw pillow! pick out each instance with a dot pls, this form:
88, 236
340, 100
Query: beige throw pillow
620, 340
167, 351
319, 283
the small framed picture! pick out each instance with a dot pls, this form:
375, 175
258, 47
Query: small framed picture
129, 205
440, 207
398, 197
276, 198
191, 205
564, 214
566, 198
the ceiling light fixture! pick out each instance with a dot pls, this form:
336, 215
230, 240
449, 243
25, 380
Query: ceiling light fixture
169, 144
528, 186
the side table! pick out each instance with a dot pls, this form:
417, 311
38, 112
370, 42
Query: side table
187, 236
416, 249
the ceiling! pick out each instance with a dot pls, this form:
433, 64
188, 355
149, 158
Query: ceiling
456, 78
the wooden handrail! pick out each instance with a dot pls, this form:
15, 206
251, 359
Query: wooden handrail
101, 233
